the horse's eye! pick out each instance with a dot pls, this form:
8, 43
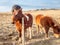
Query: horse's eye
12, 10
12, 22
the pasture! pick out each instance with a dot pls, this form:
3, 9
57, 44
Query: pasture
9, 35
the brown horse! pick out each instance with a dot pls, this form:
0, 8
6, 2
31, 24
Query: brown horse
46, 22
17, 20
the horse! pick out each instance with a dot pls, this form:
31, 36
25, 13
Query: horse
47, 22
17, 21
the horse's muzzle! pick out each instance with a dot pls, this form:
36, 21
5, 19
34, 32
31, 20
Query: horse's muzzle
12, 22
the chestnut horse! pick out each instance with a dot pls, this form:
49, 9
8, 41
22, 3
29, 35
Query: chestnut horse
46, 22
17, 20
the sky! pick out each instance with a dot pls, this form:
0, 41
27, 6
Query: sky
6, 5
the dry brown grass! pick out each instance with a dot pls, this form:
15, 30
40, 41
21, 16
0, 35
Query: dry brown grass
8, 33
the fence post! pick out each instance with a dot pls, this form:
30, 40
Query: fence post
23, 34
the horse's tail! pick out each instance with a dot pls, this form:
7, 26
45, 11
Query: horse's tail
37, 19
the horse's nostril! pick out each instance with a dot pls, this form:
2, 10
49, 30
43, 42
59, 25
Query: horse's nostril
12, 22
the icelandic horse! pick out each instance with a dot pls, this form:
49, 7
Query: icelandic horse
17, 20
46, 22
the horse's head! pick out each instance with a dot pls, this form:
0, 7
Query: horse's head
16, 9
14, 19
17, 13
56, 30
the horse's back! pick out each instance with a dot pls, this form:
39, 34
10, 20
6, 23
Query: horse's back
29, 15
44, 20
30, 18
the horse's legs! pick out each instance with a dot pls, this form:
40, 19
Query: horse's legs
38, 29
46, 31
30, 30
41, 29
20, 36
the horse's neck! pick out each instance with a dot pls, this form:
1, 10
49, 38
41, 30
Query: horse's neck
20, 15
56, 23
20, 12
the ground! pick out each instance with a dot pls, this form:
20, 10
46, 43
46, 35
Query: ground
9, 36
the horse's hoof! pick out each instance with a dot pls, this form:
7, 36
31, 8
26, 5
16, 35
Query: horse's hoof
20, 40
47, 38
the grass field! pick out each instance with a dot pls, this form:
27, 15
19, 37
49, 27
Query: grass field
9, 36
